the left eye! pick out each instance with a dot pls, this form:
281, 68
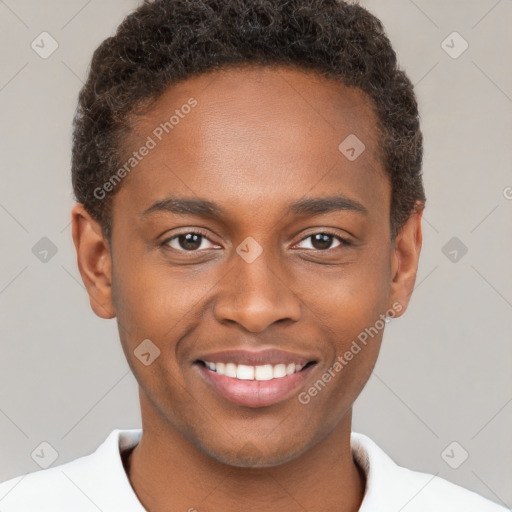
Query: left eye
322, 241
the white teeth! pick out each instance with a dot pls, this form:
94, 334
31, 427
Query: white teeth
230, 370
290, 369
261, 372
245, 372
264, 372
279, 370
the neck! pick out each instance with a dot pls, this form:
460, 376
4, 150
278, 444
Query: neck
166, 468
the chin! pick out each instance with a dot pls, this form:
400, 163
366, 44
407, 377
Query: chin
252, 456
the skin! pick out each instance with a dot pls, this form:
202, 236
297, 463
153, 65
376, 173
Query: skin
258, 140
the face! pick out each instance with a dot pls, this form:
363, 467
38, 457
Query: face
245, 226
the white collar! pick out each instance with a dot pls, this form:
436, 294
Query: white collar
100, 478
380, 470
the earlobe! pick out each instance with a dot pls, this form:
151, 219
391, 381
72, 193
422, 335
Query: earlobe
94, 261
404, 260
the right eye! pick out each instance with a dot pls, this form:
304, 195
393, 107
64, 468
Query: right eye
189, 241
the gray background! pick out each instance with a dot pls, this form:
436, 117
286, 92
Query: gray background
444, 373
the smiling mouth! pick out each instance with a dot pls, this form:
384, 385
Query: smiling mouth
256, 386
257, 372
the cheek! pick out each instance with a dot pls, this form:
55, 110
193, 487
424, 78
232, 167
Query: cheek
349, 306
152, 298
347, 299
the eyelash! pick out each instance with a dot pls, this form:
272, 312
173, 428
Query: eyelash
344, 241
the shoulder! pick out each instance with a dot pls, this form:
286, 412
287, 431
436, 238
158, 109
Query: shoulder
79, 485
47, 489
414, 491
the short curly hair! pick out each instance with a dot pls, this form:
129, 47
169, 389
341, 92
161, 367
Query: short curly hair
165, 41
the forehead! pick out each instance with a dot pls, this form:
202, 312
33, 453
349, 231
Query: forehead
257, 134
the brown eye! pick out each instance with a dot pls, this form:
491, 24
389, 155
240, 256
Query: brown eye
190, 241
323, 241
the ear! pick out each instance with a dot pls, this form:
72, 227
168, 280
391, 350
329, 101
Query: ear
404, 260
94, 261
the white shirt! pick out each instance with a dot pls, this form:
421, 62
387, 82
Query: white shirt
98, 482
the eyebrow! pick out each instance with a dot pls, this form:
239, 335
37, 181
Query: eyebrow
205, 208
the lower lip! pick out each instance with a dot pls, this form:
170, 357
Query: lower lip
256, 393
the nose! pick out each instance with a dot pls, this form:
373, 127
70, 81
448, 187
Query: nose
255, 295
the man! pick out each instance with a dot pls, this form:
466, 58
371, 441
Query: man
249, 201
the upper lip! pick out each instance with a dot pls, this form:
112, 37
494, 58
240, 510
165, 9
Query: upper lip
254, 358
